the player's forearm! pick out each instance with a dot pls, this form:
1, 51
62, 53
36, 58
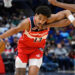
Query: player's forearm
9, 33
70, 17
70, 7
58, 16
62, 23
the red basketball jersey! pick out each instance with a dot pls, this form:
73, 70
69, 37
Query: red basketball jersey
32, 40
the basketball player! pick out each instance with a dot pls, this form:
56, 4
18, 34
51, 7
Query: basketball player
33, 39
70, 7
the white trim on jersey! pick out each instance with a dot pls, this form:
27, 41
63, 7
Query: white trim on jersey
39, 34
27, 33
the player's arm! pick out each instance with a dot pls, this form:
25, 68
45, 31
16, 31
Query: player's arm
64, 22
61, 23
62, 14
22, 26
70, 7
58, 16
70, 17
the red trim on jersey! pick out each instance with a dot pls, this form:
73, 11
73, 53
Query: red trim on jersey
30, 24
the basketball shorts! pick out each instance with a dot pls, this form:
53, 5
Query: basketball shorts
33, 59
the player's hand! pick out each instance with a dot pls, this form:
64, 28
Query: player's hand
53, 2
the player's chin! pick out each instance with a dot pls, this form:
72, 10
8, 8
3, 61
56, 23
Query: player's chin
40, 27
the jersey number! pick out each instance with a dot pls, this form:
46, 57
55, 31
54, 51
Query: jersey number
35, 40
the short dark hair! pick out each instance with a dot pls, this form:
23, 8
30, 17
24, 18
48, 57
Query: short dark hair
44, 10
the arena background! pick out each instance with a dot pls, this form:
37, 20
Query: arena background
54, 61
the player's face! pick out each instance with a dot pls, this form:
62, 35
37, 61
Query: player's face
40, 20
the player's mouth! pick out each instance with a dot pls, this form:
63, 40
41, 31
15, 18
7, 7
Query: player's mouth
39, 24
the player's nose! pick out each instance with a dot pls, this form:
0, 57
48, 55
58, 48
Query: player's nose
41, 22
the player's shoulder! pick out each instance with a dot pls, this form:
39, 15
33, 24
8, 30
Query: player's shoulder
26, 20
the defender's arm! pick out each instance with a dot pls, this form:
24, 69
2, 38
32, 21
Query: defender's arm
61, 15
58, 16
70, 7
61, 23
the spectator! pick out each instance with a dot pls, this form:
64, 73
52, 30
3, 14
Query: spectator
9, 25
62, 57
58, 37
72, 57
72, 52
49, 63
14, 43
64, 34
8, 49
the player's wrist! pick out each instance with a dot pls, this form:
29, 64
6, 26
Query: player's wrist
71, 18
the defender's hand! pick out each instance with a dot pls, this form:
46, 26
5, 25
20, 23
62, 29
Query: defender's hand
53, 2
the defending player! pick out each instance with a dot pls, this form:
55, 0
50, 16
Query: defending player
70, 7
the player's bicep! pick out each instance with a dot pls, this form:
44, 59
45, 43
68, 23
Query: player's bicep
23, 25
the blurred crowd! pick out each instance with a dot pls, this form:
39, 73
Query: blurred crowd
59, 52
8, 21
60, 49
